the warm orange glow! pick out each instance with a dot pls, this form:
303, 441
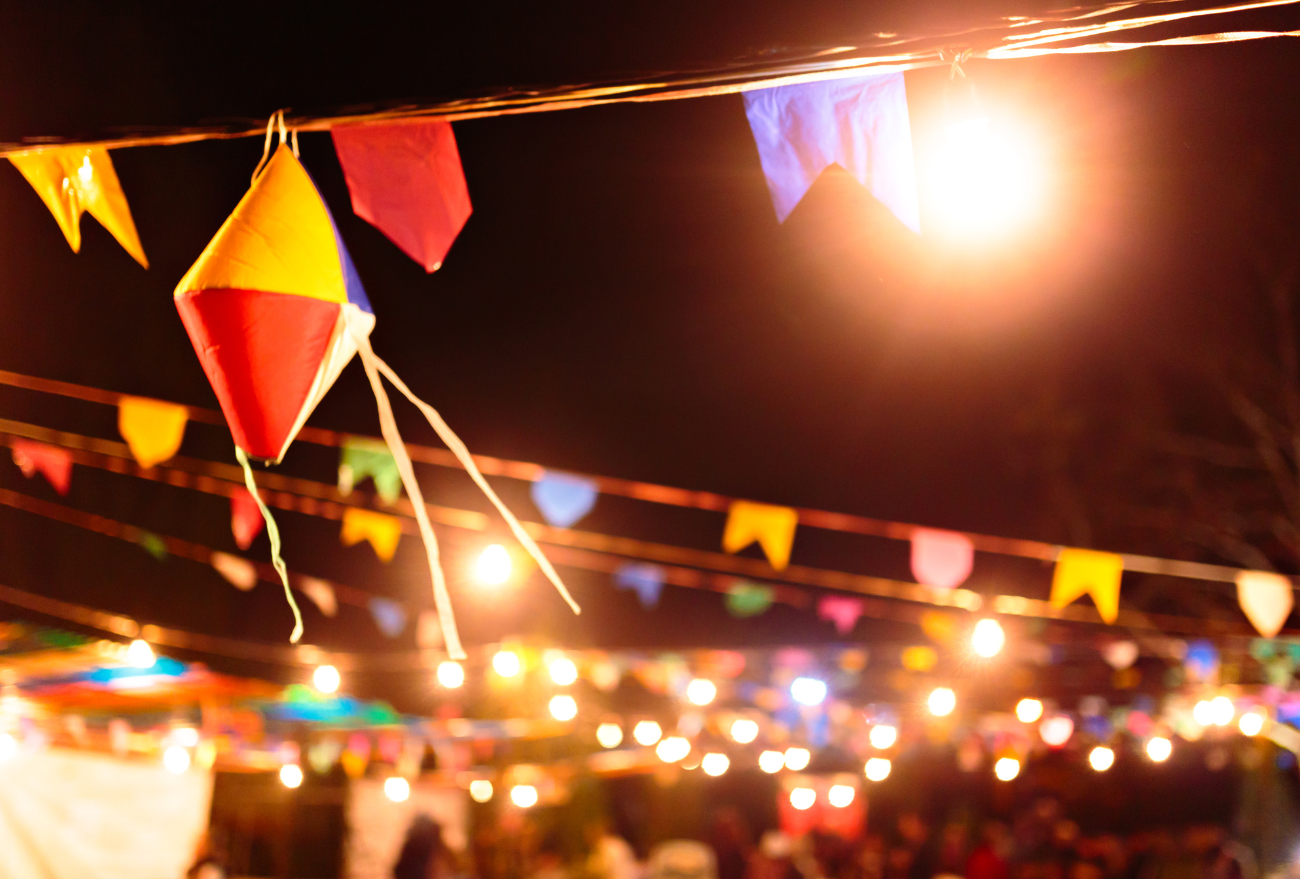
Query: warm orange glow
985, 179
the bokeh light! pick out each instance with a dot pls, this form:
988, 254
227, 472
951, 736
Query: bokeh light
883, 736
493, 566
451, 674
715, 764
1029, 710
646, 732
1006, 768
1101, 758
941, 701
808, 691
524, 796
877, 769
326, 679
564, 707
1159, 748
291, 775
610, 735
803, 798
840, 796
506, 663
397, 789
797, 758
771, 761
480, 790
988, 639
701, 691
744, 731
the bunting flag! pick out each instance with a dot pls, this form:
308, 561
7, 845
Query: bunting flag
72, 180
382, 531
245, 518
1202, 660
428, 630
1266, 599
52, 462
321, 593
772, 527
745, 599
942, 559
240, 573
388, 615
645, 579
1082, 572
938, 626
360, 458
563, 498
841, 610
405, 179
153, 430
919, 658
153, 544
1120, 655
861, 124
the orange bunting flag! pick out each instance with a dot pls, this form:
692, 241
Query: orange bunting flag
1266, 600
152, 429
321, 593
72, 180
239, 572
381, 531
772, 527
1082, 572
52, 462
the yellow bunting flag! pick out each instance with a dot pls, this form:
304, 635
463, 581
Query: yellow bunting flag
1082, 572
152, 429
773, 528
380, 530
1265, 599
71, 180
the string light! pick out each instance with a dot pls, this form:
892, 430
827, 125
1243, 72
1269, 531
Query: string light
564, 708
451, 674
326, 679
1101, 758
883, 736
140, 654
506, 663
840, 796
797, 758
701, 691
715, 764
771, 761
291, 775
1056, 730
397, 789
942, 701
877, 769
8, 747
1203, 713
744, 731
1006, 768
802, 798
1159, 748
985, 179
646, 732
1222, 711
563, 671
480, 790
988, 639
493, 566
176, 759
524, 796
1251, 723
808, 691
610, 735
1029, 710
672, 749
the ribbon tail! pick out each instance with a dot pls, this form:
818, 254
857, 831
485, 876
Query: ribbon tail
388, 427
273, 532
449, 438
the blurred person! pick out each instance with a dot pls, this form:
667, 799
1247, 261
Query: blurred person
424, 855
774, 858
989, 860
681, 859
730, 840
548, 859
611, 857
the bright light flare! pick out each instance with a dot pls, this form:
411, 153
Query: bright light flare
883, 736
646, 733
942, 701
524, 796
480, 790
1006, 768
988, 639
493, 566
701, 691
986, 179
397, 789
506, 663
715, 764
326, 679
1029, 710
1251, 723
802, 798
563, 671
140, 654
840, 796
808, 691
744, 731
610, 735
451, 674
797, 758
877, 769
291, 775
1101, 758
8, 747
1159, 748
771, 761
176, 759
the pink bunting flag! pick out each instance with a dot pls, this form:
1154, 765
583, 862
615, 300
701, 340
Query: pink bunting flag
52, 462
405, 179
841, 610
941, 558
245, 518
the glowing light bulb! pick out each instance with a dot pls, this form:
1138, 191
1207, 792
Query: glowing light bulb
1251, 723
480, 790
326, 679
771, 761
176, 759
701, 691
1203, 713
397, 789
797, 758
563, 671
1101, 758
610, 735
8, 747
985, 179
942, 701
524, 796
1029, 710
744, 731
877, 769
808, 691
672, 749
451, 674
493, 566
1006, 768
1159, 748
840, 796
714, 764
564, 708
291, 775
988, 639
506, 663
140, 655
1056, 730
1222, 711
802, 798
883, 736
646, 732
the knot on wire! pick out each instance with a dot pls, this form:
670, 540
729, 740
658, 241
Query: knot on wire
956, 57
276, 120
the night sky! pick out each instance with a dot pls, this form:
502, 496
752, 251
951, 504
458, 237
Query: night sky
623, 301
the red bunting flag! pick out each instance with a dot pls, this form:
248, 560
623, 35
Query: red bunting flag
52, 462
245, 518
